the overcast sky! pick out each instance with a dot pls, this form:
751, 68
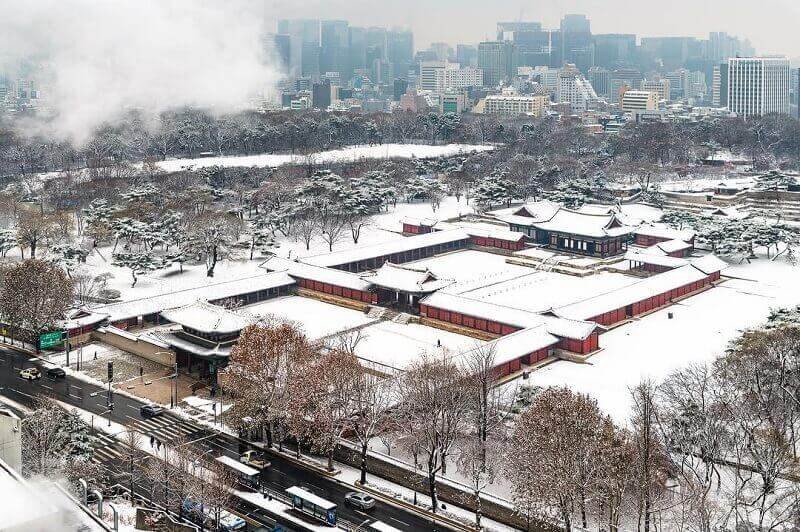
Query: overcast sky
772, 25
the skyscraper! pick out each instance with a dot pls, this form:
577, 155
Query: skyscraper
614, 49
496, 59
334, 48
577, 46
758, 85
400, 52
303, 39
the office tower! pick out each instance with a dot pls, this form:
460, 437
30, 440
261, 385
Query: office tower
538, 48
623, 77
466, 55
575, 90
357, 50
400, 52
303, 39
514, 105
636, 101
659, 86
496, 60
439, 76
399, 87
758, 85
506, 30
280, 47
614, 49
577, 46
441, 50
600, 78
334, 48
673, 52
719, 86
321, 95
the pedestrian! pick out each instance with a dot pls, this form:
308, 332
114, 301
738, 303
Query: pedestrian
438, 342
95, 355
152, 441
141, 372
158, 445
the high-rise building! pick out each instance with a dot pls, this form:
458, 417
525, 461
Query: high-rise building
575, 90
441, 50
623, 77
636, 101
758, 85
303, 35
659, 86
496, 60
506, 30
719, 86
614, 49
334, 48
400, 52
439, 76
577, 46
672, 52
321, 95
679, 84
466, 55
399, 87
600, 78
514, 104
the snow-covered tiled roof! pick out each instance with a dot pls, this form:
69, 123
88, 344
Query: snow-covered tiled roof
585, 224
406, 279
515, 345
427, 222
173, 340
346, 256
628, 295
709, 264
155, 304
81, 317
671, 246
660, 259
566, 328
663, 231
316, 273
204, 317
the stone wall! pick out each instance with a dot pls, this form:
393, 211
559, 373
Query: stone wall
132, 343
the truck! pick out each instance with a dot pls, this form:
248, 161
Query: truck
255, 459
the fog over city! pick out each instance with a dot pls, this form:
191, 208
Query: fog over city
770, 24
100, 58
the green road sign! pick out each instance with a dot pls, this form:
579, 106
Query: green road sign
50, 339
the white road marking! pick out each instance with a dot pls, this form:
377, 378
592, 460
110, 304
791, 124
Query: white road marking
399, 521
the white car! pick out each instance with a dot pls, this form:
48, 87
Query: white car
30, 374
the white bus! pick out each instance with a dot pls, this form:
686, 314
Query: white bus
245, 474
306, 502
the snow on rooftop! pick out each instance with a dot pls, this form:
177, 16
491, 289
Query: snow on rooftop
471, 269
347, 256
515, 345
709, 264
585, 224
317, 319
515, 317
657, 259
639, 291
155, 304
671, 246
349, 154
541, 291
663, 231
205, 317
316, 273
406, 279
397, 346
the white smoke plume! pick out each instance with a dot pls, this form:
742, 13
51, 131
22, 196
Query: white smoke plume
100, 58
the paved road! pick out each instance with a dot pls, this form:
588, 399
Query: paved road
280, 475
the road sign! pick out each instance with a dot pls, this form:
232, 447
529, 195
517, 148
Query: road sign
50, 339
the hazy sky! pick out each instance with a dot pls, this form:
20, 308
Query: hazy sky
772, 25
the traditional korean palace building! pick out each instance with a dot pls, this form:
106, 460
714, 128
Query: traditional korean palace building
205, 337
582, 233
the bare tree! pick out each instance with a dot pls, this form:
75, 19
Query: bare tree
434, 409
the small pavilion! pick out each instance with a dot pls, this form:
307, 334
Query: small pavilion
403, 286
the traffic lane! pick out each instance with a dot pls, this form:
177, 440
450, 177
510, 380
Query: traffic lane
282, 474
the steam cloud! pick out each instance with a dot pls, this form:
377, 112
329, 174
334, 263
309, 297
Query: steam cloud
102, 57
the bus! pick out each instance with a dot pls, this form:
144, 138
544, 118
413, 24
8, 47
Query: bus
198, 513
245, 475
306, 502
380, 526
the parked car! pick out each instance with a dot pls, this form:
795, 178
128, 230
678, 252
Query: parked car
56, 373
360, 500
30, 374
255, 459
147, 411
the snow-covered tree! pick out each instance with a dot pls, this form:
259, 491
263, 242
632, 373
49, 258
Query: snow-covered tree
68, 256
139, 263
34, 296
8, 241
495, 189
211, 236
774, 180
261, 229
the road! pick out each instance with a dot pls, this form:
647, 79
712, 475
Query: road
280, 475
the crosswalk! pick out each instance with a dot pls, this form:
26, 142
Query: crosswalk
165, 429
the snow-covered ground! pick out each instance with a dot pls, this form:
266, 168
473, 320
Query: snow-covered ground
653, 346
541, 291
349, 154
397, 345
472, 269
316, 318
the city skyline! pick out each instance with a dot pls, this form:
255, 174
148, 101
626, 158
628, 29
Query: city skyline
475, 21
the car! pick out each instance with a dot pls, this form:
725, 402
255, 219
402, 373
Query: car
56, 373
30, 374
151, 411
255, 459
360, 500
